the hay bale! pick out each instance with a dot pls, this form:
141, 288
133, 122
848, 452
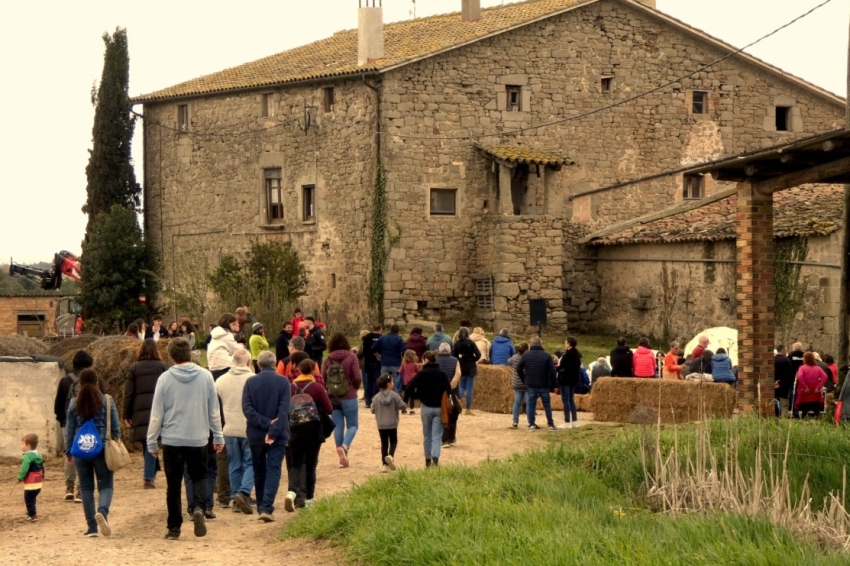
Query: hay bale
557, 403
493, 391
642, 401
584, 403
113, 356
21, 346
66, 349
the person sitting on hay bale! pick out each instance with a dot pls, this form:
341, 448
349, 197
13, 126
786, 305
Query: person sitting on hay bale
600, 369
700, 370
643, 360
721, 368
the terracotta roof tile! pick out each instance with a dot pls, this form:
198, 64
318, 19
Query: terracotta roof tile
808, 210
337, 55
519, 154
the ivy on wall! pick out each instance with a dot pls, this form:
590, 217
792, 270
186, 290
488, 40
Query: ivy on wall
789, 291
380, 250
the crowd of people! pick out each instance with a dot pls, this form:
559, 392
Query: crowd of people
229, 430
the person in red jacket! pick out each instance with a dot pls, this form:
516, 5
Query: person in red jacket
345, 413
643, 360
298, 323
810, 381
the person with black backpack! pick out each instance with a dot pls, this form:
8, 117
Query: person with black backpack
341, 373
308, 408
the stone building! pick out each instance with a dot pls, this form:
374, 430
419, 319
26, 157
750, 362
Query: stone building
489, 126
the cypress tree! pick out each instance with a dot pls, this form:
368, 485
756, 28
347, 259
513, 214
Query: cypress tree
110, 175
117, 266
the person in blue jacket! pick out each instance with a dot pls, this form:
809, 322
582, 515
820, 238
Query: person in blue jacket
721, 367
502, 348
389, 349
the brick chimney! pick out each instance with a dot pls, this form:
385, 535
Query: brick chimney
470, 10
370, 32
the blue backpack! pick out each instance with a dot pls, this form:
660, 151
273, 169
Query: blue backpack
87, 444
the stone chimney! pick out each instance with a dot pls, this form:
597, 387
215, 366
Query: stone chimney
470, 10
370, 32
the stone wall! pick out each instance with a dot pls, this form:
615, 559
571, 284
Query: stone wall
581, 279
26, 406
652, 297
205, 188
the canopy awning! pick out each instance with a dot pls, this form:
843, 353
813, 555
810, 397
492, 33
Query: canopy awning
513, 155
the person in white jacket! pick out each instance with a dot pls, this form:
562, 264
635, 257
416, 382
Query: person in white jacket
222, 346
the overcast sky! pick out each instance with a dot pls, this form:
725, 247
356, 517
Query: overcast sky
52, 53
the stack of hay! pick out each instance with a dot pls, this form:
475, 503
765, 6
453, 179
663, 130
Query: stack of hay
642, 401
21, 346
66, 349
582, 403
493, 391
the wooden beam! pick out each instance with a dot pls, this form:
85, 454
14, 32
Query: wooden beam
815, 174
728, 175
832, 145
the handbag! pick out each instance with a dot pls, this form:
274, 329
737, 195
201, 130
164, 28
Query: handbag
838, 408
115, 452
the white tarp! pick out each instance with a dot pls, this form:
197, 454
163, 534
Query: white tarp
719, 337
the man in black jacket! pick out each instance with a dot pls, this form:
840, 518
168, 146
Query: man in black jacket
68, 387
428, 386
783, 372
621, 360
537, 370
281, 343
371, 364
316, 342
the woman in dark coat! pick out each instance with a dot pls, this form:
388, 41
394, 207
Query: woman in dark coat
468, 355
417, 342
138, 397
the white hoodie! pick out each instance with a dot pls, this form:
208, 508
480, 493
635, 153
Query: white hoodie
221, 348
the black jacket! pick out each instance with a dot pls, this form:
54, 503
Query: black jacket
621, 362
569, 368
366, 349
163, 332
429, 385
316, 344
536, 368
281, 345
468, 354
796, 358
138, 396
783, 372
68, 387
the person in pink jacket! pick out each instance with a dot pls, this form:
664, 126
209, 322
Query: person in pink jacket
643, 360
810, 381
345, 413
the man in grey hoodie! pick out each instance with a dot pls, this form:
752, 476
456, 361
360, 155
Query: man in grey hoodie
184, 411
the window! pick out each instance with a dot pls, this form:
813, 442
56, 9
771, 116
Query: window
308, 197
443, 202
328, 98
783, 118
693, 186
267, 106
183, 117
484, 292
274, 195
607, 84
699, 104
514, 98
333, 280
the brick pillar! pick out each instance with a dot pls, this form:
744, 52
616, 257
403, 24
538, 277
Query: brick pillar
755, 298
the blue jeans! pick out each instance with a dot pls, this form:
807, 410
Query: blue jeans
267, 460
531, 403
467, 382
568, 397
150, 463
347, 413
519, 395
370, 382
239, 465
432, 430
393, 371
209, 489
87, 471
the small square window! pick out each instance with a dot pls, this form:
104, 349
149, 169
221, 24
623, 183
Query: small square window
267, 106
783, 118
607, 84
443, 202
328, 99
274, 195
183, 117
693, 187
308, 198
514, 98
699, 104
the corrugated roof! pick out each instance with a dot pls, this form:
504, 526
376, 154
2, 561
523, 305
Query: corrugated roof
520, 154
808, 210
337, 55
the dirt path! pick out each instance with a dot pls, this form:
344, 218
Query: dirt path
138, 516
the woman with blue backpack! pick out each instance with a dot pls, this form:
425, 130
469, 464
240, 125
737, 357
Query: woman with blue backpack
85, 438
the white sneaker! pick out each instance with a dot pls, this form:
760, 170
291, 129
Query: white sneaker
565, 426
308, 503
289, 502
574, 424
390, 461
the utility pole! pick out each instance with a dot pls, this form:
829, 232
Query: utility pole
843, 306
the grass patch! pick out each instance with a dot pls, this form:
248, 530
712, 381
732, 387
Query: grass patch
569, 504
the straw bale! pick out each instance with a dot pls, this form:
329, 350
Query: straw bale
66, 349
557, 403
21, 346
641, 401
493, 391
